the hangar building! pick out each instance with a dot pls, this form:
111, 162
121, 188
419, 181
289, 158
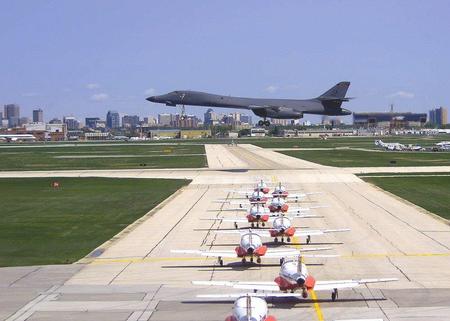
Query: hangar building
389, 120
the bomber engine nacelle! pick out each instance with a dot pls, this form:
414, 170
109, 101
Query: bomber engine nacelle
277, 112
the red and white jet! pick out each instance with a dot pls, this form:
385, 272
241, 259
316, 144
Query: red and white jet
293, 277
251, 246
261, 215
251, 308
282, 227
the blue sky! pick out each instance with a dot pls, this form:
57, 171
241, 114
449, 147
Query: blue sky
86, 57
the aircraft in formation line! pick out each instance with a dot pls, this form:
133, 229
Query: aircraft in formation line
261, 215
253, 308
294, 279
329, 103
251, 246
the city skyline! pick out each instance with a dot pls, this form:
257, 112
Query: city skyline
122, 54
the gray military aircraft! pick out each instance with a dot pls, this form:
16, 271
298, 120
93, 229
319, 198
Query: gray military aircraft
329, 103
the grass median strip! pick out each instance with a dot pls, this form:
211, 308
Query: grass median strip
429, 192
40, 224
102, 156
359, 158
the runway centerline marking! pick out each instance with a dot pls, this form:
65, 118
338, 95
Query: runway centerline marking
317, 308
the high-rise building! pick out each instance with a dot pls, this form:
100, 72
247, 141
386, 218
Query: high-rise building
165, 119
91, 122
150, 121
438, 116
71, 122
12, 114
112, 119
211, 118
130, 121
38, 116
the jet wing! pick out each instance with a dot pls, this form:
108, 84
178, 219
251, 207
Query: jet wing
348, 284
301, 195
207, 253
262, 233
291, 215
235, 209
227, 219
319, 232
257, 294
248, 285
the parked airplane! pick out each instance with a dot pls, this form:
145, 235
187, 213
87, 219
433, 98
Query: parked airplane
280, 229
261, 215
251, 246
390, 146
17, 137
329, 103
251, 308
293, 277
443, 145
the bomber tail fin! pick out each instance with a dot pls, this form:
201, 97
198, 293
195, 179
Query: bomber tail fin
337, 92
333, 98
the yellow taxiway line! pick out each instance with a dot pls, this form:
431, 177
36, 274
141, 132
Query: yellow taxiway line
199, 258
317, 308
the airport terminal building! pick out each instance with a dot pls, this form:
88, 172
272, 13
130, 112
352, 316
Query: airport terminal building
389, 120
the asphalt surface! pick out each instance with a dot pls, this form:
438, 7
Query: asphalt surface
135, 277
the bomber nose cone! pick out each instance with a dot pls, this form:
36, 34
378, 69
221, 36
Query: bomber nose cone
300, 281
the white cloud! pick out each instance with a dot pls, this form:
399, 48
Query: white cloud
402, 94
92, 86
271, 89
150, 91
99, 97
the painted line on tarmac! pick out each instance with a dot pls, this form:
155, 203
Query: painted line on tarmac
317, 308
350, 256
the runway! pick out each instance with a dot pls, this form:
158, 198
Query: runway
135, 277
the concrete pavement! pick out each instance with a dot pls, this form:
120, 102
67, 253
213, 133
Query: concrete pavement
135, 277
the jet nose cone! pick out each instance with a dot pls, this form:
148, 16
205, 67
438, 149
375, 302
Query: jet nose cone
250, 250
300, 281
152, 99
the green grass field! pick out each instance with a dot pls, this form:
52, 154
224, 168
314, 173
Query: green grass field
339, 142
101, 156
429, 192
43, 225
357, 158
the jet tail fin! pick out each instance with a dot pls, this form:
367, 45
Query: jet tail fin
333, 98
337, 92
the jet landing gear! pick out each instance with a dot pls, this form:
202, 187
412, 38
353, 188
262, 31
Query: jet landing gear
264, 122
220, 261
183, 113
334, 295
308, 239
